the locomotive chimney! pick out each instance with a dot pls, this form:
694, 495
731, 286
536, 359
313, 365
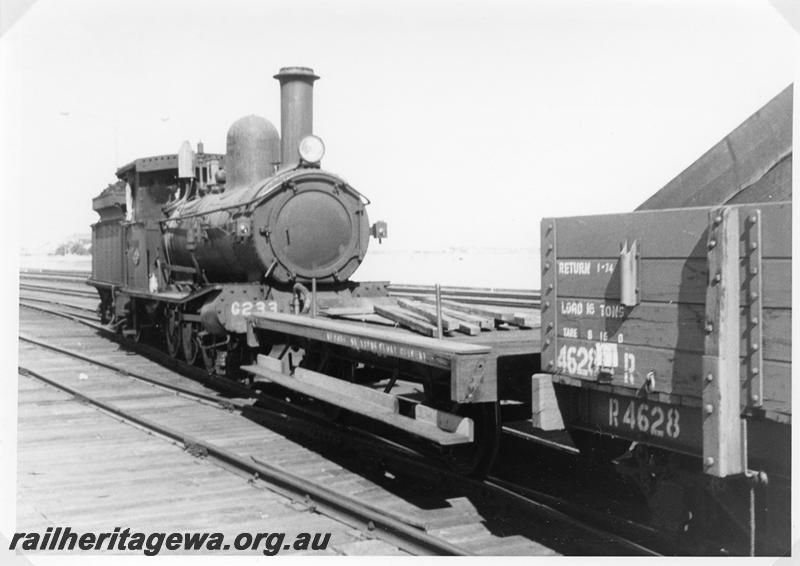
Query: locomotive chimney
297, 97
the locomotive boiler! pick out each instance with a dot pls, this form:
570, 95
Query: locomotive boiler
280, 217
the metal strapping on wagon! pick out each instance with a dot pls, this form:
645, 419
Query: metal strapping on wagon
754, 320
549, 295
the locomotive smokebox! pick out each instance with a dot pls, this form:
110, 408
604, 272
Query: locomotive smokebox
297, 119
253, 150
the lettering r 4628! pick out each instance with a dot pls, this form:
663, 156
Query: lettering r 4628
655, 420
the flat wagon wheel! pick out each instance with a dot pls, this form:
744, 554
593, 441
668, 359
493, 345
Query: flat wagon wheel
189, 342
172, 331
476, 458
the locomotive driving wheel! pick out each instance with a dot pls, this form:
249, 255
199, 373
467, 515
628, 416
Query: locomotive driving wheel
172, 331
189, 344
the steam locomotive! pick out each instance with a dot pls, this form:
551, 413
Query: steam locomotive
242, 263
202, 240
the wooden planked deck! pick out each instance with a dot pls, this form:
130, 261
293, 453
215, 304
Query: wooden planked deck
80, 467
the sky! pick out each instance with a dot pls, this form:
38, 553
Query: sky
464, 123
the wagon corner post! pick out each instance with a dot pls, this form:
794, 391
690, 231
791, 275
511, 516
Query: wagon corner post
722, 437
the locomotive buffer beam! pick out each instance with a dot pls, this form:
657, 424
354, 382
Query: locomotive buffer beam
443, 428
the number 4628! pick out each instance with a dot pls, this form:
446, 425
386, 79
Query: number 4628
649, 419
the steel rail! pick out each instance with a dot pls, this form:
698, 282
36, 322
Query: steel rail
520, 298
55, 272
554, 503
53, 277
223, 404
515, 298
495, 291
51, 302
408, 537
59, 290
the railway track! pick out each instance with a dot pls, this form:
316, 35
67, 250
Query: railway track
85, 293
407, 527
540, 508
397, 530
516, 298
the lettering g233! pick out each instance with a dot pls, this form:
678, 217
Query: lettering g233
246, 308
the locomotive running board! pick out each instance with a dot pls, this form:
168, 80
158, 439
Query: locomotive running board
176, 297
437, 426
